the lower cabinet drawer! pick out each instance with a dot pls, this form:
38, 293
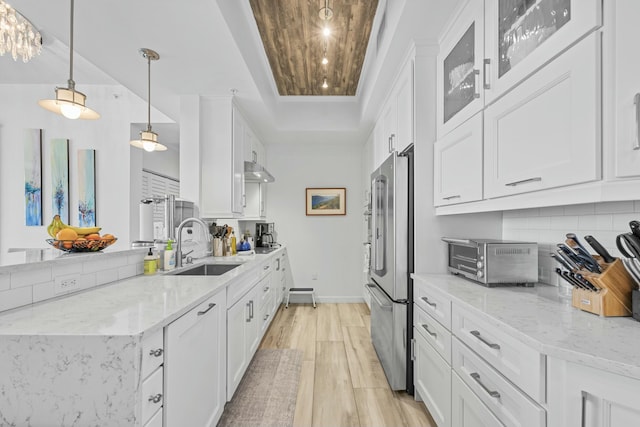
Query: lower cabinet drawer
522, 365
434, 333
467, 410
156, 420
432, 376
509, 404
152, 352
152, 395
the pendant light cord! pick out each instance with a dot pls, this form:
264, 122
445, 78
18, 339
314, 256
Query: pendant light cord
72, 84
148, 92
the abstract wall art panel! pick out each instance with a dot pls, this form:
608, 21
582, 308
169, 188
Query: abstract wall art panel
33, 177
87, 188
60, 178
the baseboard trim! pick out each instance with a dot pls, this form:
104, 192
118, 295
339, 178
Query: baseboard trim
326, 299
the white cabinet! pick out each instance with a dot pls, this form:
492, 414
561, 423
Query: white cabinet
432, 380
467, 410
404, 90
545, 133
519, 40
195, 365
459, 91
457, 164
256, 194
243, 327
279, 278
581, 396
625, 87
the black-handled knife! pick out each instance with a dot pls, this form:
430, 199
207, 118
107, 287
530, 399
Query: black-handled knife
635, 228
573, 242
562, 262
600, 250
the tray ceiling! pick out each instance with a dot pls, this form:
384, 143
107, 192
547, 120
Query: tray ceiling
291, 32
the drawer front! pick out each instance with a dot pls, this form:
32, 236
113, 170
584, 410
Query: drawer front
432, 376
152, 353
522, 365
432, 302
509, 404
467, 410
152, 395
434, 333
156, 420
240, 286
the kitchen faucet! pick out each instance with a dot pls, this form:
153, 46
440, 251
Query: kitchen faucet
205, 227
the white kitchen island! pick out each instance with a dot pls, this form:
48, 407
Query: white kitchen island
102, 357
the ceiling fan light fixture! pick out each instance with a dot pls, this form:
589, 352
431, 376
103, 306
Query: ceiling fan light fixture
148, 139
69, 102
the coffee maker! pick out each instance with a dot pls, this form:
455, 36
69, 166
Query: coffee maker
265, 234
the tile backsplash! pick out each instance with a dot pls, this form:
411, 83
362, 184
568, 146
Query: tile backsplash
548, 226
29, 284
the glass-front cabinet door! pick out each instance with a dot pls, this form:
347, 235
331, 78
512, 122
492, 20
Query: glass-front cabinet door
459, 86
522, 35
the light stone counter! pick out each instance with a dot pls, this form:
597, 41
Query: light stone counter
545, 321
76, 360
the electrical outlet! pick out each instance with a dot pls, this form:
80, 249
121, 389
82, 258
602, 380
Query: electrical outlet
314, 276
66, 284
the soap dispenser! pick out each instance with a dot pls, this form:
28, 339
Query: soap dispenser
169, 256
150, 263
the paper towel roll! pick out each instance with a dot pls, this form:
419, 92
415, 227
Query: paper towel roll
146, 222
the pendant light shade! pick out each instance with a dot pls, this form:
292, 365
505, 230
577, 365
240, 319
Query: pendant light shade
69, 102
148, 139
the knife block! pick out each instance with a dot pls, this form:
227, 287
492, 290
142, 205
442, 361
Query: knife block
614, 296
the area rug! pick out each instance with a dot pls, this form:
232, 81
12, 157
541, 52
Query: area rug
267, 393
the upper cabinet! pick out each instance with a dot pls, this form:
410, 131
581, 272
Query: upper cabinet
459, 90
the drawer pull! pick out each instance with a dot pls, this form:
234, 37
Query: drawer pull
266, 289
457, 196
203, 312
426, 300
266, 267
492, 393
426, 328
248, 319
484, 340
156, 398
266, 316
524, 181
156, 353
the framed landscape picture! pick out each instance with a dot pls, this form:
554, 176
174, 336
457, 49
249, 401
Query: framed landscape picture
326, 201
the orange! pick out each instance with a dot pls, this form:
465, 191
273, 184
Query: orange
81, 239
94, 236
67, 234
107, 236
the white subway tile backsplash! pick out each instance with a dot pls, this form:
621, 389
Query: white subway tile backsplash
16, 297
604, 222
106, 276
88, 280
539, 222
584, 209
43, 291
636, 206
5, 282
614, 207
552, 211
587, 222
66, 269
95, 266
136, 258
126, 272
30, 277
564, 223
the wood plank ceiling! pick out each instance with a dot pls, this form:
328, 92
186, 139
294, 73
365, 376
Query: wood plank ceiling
291, 32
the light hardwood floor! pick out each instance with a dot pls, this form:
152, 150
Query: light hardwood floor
342, 382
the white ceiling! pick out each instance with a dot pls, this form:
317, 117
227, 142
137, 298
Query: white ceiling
208, 47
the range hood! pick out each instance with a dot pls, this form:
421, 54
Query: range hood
254, 172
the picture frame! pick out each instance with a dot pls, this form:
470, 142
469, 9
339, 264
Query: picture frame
326, 201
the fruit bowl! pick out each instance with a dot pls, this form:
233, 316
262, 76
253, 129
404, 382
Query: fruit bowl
81, 245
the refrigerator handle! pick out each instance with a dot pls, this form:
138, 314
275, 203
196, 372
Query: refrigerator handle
374, 294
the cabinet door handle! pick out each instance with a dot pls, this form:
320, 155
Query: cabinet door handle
251, 309
248, 319
266, 289
203, 312
457, 196
156, 353
524, 181
266, 316
244, 200
583, 409
426, 300
492, 393
278, 261
476, 74
426, 328
484, 340
485, 67
266, 267
391, 147
636, 101
155, 398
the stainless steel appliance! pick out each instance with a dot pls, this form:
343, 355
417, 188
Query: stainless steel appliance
265, 234
493, 262
391, 263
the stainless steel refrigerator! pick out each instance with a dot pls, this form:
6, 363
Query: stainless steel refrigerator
391, 263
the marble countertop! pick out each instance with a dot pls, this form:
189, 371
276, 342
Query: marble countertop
546, 321
138, 305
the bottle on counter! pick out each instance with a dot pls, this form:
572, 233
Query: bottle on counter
169, 256
248, 239
234, 244
150, 263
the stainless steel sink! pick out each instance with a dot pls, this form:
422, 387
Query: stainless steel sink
207, 270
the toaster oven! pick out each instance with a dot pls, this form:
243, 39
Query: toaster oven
493, 262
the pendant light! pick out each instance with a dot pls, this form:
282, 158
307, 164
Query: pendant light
69, 102
148, 139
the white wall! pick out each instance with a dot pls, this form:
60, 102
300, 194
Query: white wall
165, 163
549, 226
329, 246
109, 136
